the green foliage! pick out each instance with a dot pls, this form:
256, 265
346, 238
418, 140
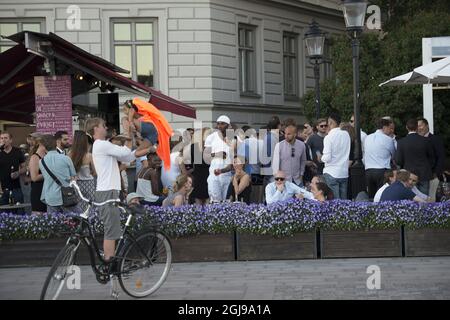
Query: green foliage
397, 50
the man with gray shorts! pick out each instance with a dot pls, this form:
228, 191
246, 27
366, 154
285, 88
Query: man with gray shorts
106, 155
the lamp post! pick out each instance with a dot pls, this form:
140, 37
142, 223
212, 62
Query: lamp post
354, 14
315, 41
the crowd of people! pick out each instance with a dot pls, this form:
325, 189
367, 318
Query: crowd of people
273, 163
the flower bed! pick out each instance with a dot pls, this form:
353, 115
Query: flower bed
280, 220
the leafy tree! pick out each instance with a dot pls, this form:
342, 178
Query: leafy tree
394, 51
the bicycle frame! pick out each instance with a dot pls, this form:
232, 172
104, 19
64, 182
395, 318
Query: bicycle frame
90, 242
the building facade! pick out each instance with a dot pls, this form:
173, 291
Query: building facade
242, 58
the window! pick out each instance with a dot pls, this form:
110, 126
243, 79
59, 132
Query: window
247, 59
326, 68
9, 27
133, 47
290, 64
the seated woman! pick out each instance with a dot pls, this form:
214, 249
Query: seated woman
240, 187
149, 185
182, 188
322, 192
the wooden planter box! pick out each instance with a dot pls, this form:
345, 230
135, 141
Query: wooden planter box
361, 244
37, 253
204, 247
266, 247
427, 242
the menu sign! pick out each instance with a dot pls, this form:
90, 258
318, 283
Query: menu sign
53, 101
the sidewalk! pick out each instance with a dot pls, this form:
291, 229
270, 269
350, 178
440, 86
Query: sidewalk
401, 278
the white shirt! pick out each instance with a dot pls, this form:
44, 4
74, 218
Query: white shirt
379, 150
290, 190
380, 191
169, 177
217, 144
336, 152
105, 155
418, 193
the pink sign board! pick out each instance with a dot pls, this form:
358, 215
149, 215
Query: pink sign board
53, 101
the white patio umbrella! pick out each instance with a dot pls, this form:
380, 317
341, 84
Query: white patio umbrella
435, 72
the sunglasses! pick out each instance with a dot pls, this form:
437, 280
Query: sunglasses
323, 125
279, 179
351, 121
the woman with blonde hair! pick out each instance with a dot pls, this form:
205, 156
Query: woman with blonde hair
182, 188
240, 187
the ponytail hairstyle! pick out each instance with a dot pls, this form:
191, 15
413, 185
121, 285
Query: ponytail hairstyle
181, 180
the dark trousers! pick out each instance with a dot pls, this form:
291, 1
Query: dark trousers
16, 194
374, 180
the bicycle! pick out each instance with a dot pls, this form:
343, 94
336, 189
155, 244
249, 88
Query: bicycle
146, 256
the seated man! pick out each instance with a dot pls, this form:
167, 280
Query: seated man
413, 180
134, 199
281, 190
400, 190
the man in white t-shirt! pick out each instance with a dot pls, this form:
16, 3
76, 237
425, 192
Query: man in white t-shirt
221, 150
106, 155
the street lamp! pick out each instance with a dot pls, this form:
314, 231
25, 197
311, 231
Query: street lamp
315, 41
354, 14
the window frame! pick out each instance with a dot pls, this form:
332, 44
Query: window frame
20, 22
253, 50
134, 44
295, 68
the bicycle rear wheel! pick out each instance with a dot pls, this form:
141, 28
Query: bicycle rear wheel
57, 276
145, 264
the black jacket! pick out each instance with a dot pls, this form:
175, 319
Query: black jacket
439, 154
415, 153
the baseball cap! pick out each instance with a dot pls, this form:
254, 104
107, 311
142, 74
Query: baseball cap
35, 135
224, 119
133, 195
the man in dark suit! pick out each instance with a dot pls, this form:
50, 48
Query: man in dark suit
439, 154
415, 153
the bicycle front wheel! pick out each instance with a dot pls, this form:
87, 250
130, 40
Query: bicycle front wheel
145, 264
59, 272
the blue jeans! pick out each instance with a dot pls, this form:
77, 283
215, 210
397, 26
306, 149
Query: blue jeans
17, 196
338, 186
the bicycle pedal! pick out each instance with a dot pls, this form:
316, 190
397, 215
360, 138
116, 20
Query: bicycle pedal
102, 279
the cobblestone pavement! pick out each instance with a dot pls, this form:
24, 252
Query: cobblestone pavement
401, 278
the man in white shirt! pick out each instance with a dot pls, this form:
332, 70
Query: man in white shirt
379, 151
105, 156
220, 148
336, 152
281, 190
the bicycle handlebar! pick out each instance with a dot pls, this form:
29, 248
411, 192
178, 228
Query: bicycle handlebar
74, 184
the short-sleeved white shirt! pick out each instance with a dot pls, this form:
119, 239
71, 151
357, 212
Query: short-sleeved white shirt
217, 144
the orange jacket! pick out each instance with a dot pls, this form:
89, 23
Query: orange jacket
150, 114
